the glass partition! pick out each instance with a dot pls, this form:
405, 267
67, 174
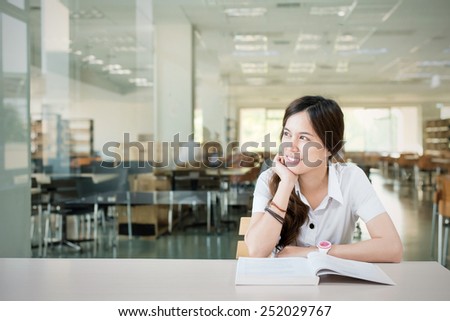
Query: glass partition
14, 125
92, 77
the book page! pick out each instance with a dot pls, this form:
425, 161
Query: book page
274, 271
326, 264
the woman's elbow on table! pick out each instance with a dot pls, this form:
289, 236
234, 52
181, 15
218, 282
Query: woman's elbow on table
396, 252
256, 251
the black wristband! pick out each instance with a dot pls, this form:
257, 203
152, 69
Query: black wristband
275, 215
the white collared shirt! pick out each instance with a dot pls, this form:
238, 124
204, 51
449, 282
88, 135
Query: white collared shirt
350, 196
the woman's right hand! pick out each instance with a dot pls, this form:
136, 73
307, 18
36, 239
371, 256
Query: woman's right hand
285, 174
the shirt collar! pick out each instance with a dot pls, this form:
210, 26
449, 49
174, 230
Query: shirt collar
334, 189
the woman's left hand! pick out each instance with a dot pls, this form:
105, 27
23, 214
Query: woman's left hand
289, 251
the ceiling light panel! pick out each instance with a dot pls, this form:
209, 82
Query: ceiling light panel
250, 47
256, 81
342, 66
308, 42
250, 43
308, 37
434, 63
295, 79
307, 46
301, 67
140, 82
245, 12
250, 38
346, 47
254, 67
91, 13
340, 11
266, 53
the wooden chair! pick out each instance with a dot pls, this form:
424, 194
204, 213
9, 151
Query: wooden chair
444, 219
241, 250
404, 165
434, 213
424, 165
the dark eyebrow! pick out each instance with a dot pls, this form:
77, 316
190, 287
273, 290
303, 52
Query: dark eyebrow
301, 133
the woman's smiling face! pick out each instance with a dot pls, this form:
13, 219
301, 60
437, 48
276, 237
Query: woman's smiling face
302, 148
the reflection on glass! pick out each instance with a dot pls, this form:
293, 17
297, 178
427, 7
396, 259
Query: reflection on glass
257, 123
95, 80
18, 3
14, 107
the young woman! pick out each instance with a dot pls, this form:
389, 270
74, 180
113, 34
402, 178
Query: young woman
305, 198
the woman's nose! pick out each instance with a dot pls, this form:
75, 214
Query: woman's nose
293, 146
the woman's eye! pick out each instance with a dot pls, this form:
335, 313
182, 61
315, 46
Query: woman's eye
303, 138
285, 133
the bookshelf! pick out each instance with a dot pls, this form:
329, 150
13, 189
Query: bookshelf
81, 137
37, 140
437, 137
56, 141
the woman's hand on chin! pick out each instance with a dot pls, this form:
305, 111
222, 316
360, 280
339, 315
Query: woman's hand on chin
283, 171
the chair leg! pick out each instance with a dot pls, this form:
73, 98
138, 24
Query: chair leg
39, 221
96, 213
87, 236
434, 214
59, 227
32, 228
180, 215
416, 173
445, 250
47, 233
440, 226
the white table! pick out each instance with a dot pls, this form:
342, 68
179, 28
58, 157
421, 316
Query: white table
43, 178
202, 280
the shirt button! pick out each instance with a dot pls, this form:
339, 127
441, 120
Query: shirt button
311, 226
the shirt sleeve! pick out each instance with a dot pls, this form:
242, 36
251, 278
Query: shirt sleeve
262, 195
366, 203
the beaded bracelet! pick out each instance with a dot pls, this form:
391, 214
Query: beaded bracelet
277, 207
275, 215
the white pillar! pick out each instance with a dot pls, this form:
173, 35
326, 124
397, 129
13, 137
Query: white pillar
55, 72
212, 100
55, 56
174, 79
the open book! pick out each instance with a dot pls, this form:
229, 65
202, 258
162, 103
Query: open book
304, 271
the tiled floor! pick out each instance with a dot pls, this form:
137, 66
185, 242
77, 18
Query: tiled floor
409, 207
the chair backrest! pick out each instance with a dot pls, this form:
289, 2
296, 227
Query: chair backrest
241, 249
63, 189
119, 183
443, 187
195, 179
425, 163
266, 164
87, 187
137, 167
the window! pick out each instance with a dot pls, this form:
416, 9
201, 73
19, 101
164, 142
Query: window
385, 129
257, 123
389, 129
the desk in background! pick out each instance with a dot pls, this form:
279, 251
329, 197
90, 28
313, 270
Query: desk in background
227, 177
44, 179
150, 198
200, 280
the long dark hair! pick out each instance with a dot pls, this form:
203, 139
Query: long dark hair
327, 120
